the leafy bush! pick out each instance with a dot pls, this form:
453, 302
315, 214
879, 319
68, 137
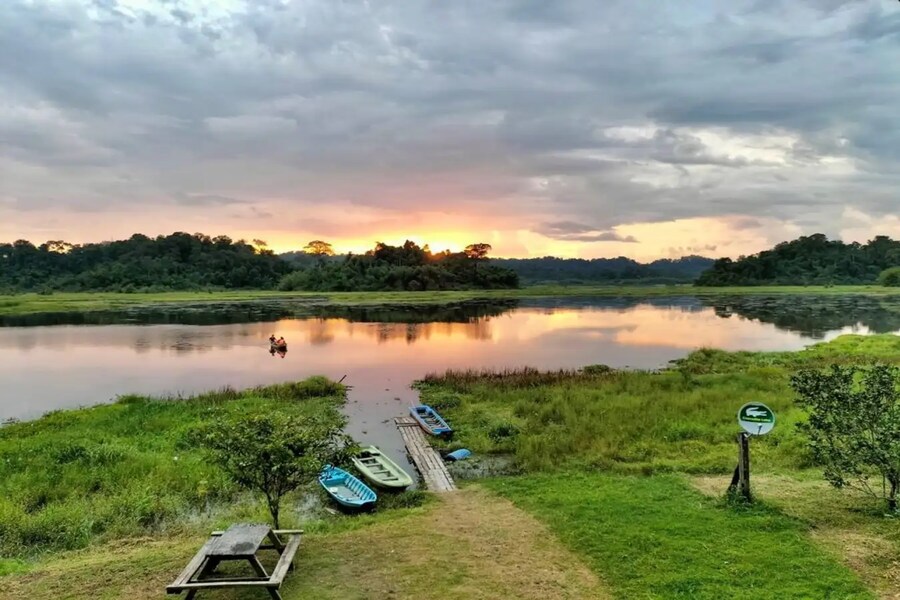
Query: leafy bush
854, 426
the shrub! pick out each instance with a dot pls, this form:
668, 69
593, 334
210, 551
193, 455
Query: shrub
890, 277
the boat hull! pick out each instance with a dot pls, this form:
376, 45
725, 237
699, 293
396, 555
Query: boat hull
380, 470
345, 489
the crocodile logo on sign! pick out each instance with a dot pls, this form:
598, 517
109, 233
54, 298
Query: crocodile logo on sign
756, 418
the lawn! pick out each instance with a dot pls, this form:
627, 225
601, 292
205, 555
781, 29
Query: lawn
21, 304
655, 537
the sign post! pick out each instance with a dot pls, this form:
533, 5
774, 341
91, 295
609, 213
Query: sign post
755, 418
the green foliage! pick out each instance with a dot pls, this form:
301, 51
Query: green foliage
890, 277
175, 262
407, 267
654, 537
854, 425
809, 260
132, 467
275, 454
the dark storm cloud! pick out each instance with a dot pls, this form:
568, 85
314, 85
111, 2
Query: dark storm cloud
529, 112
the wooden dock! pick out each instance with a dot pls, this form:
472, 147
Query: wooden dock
429, 463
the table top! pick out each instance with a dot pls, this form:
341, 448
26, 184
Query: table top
239, 540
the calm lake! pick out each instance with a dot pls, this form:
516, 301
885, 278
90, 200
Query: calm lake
63, 361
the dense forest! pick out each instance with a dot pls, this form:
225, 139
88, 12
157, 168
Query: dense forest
407, 267
183, 261
175, 262
550, 269
809, 260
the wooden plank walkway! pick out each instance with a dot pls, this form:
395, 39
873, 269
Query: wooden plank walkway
427, 460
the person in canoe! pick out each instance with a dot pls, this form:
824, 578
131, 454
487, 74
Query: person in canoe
272, 339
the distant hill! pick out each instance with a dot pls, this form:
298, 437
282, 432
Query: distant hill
809, 260
551, 269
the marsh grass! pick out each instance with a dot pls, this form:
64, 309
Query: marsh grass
128, 468
681, 419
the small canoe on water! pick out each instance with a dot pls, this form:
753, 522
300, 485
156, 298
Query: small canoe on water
381, 470
281, 348
431, 421
346, 489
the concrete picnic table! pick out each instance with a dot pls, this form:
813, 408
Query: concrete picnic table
239, 542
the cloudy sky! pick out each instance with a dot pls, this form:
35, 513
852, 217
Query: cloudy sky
572, 127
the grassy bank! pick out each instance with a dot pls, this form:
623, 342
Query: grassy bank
681, 419
21, 304
129, 468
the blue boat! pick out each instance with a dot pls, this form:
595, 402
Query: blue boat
346, 489
430, 420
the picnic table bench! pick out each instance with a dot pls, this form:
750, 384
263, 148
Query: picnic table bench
239, 543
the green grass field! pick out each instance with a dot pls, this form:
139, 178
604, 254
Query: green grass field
655, 537
20, 304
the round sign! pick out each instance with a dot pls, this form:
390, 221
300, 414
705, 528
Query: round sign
756, 418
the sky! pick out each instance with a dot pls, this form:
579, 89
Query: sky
574, 128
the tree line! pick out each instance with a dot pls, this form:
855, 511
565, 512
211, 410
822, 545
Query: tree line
408, 267
550, 269
808, 260
180, 261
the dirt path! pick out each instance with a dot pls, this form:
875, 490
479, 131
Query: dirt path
470, 544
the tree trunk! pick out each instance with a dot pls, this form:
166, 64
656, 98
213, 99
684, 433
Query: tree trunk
274, 509
892, 497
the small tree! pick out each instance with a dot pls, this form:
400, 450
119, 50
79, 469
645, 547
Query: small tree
854, 426
275, 454
890, 277
319, 248
477, 251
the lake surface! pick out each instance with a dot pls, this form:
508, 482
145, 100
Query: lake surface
382, 350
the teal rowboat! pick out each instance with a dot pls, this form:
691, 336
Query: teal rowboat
346, 489
381, 470
431, 421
